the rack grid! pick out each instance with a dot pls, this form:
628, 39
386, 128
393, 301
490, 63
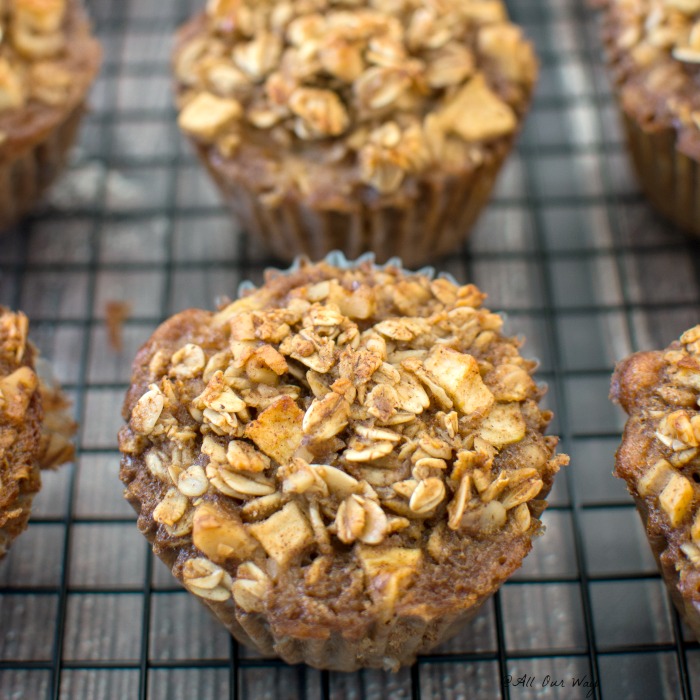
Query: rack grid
568, 249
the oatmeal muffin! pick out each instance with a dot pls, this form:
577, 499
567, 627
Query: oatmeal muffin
48, 60
336, 124
34, 426
660, 461
343, 464
653, 50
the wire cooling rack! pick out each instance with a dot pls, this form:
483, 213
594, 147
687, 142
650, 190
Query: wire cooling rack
567, 248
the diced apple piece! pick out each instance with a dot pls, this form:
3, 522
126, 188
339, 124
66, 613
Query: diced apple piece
285, 534
676, 498
476, 113
655, 479
377, 560
503, 426
220, 535
277, 430
458, 374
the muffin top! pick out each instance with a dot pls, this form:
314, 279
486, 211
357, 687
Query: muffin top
339, 442
660, 452
47, 58
390, 86
654, 48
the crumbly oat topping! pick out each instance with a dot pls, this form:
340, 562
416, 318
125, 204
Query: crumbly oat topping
367, 416
658, 27
395, 85
32, 45
654, 46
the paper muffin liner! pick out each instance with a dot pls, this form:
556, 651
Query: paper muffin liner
337, 258
670, 179
24, 177
418, 227
386, 646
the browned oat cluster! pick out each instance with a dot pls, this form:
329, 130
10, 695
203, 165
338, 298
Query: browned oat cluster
660, 459
397, 85
337, 447
34, 429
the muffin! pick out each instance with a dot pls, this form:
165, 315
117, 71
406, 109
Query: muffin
377, 125
34, 426
660, 462
653, 52
48, 60
343, 464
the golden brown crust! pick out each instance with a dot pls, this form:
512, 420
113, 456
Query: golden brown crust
635, 378
658, 458
338, 448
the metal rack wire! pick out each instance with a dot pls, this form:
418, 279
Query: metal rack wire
568, 249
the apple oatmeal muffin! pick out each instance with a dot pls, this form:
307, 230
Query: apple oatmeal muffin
48, 60
376, 125
659, 458
343, 464
35, 427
